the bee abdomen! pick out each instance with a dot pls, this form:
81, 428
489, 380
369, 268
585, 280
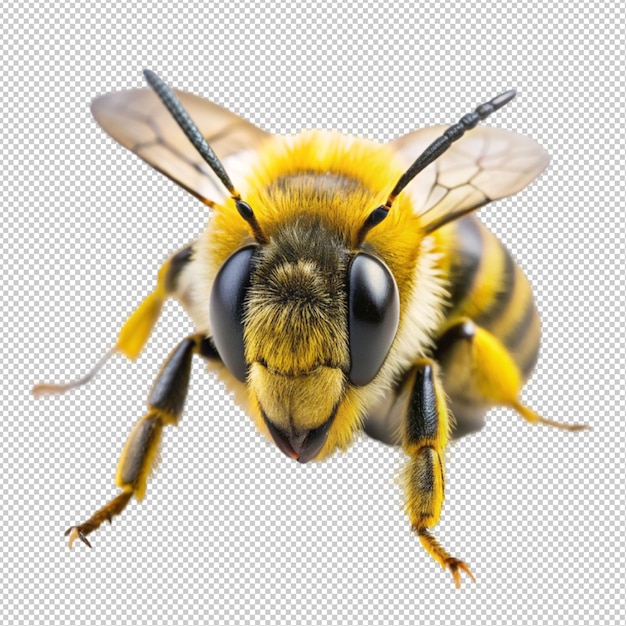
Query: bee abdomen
487, 286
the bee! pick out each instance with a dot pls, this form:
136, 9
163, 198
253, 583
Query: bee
340, 286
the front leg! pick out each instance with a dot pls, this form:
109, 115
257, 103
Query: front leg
165, 406
425, 438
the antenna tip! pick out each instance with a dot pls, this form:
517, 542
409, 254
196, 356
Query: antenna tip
151, 77
503, 98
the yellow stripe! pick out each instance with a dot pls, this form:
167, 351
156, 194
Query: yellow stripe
516, 308
488, 279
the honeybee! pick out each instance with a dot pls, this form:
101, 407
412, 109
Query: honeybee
339, 286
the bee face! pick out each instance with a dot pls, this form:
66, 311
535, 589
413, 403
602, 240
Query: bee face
297, 301
297, 315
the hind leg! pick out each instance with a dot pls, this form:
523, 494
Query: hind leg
479, 372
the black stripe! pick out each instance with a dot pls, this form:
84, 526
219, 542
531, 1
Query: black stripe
503, 296
466, 259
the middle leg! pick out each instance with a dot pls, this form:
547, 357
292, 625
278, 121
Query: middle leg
425, 439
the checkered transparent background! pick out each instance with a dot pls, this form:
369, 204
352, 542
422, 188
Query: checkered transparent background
232, 532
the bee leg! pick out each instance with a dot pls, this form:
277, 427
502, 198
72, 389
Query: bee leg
165, 406
136, 330
425, 439
479, 369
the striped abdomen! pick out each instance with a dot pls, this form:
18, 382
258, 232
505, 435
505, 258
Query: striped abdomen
489, 287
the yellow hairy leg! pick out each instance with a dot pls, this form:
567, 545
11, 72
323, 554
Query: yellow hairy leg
425, 439
497, 378
135, 332
137, 328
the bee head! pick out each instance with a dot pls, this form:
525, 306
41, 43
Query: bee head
302, 320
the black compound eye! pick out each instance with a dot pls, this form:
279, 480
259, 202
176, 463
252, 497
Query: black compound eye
373, 316
226, 310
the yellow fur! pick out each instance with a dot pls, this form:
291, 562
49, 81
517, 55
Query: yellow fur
496, 376
296, 345
424, 506
136, 330
397, 239
297, 399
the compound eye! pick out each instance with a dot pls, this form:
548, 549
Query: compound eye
373, 316
226, 310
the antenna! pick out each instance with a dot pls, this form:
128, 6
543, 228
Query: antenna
432, 153
182, 118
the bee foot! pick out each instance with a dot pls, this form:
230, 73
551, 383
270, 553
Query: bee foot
75, 532
456, 567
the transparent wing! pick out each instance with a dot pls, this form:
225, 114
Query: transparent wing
137, 119
484, 165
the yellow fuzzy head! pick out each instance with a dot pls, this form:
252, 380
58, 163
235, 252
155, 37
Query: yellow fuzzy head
311, 195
